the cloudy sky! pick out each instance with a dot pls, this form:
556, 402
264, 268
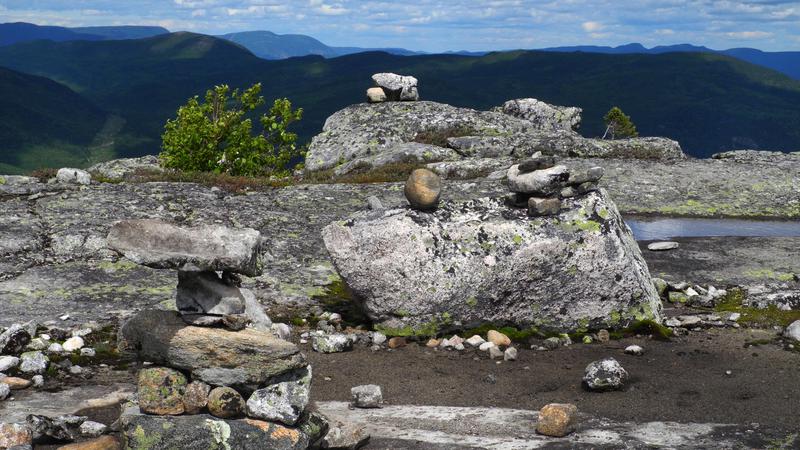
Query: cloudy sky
437, 25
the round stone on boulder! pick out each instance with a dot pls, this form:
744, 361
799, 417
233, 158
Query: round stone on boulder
376, 95
161, 391
605, 375
423, 189
225, 403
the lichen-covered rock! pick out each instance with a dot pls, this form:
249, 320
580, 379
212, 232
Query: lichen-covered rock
62, 428
33, 362
480, 261
161, 391
225, 403
331, 343
8, 362
284, 400
203, 432
161, 245
544, 115
408, 153
244, 360
119, 169
605, 375
369, 129
70, 175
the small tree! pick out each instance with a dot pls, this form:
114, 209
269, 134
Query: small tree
619, 125
216, 136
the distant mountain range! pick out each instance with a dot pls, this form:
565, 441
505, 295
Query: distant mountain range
123, 91
13, 33
784, 62
269, 45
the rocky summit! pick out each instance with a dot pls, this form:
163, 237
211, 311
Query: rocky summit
480, 261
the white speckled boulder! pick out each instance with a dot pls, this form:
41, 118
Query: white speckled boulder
481, 261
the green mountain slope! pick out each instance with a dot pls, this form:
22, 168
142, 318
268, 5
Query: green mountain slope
707, 102
44, 123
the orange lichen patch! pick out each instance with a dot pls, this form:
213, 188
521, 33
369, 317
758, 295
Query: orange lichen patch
286, 433
263, 426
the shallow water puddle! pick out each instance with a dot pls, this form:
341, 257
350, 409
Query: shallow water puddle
653, 228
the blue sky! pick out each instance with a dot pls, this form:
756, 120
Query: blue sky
437, 25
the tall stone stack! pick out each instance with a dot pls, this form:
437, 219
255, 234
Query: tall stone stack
391, 87
540, 185
219, 377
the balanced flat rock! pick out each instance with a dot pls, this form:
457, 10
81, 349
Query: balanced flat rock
161, 245
244, 359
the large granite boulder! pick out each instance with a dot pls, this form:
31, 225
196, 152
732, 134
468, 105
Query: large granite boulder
369, 129
408, 153
161, 245
480, 261
245, 360
360, 135
543, 115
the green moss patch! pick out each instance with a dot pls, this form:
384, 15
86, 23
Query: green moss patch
771, 316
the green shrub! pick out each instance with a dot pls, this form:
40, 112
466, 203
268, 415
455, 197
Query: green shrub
217, 136
619, 125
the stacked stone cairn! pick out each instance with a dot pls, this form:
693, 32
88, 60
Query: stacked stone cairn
390, 87
540, 185
216, 376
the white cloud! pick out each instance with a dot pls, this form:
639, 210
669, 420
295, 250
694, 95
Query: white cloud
749, 34
592, 27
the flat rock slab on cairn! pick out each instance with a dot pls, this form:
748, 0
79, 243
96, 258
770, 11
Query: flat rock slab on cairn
480, 261
244, 360
160, 245
397, 87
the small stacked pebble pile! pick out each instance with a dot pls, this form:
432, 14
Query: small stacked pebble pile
540, 185
390, 87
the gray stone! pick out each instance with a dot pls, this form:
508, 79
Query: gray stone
63, 428
344, 435
510, 354
92, 429
203, 432
204, 292
538, 207
605, 375
284, 400
376, 95
591, 175
331, 343
418, 271
635, 350
542, 183
38, 381
119, 169
281, 330
72, 344
543, 115
378, 338
495, 352
55, 348
662, 246
537, 162
397, 87
33, 362
259, 319
195, 397
76, 176
366, 396
423, 189
14, 340
8, 362
5, 390
793, 331
405, 153
374, 203
243, 360
160, 245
